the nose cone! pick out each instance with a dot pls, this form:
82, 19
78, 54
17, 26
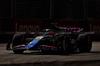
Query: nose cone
34, 42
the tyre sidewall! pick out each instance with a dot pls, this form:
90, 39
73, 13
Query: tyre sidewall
84, 43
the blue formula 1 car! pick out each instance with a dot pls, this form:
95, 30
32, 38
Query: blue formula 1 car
62, 40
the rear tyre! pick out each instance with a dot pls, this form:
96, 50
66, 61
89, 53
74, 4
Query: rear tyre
17, 40
84, 43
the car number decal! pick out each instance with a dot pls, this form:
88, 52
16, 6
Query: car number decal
39, 37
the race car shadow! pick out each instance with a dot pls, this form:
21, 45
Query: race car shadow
49, 53
62, 54
55, 53
97, 52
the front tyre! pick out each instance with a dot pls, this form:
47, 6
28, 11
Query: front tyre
18, 51
17, 40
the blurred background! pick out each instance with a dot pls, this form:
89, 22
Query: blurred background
35, 15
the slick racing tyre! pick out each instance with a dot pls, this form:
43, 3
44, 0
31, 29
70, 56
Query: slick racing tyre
62, 44
17, 39
84, 43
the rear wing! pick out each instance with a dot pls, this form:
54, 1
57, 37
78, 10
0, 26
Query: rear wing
72, 29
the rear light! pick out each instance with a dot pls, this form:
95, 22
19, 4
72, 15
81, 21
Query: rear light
50, 31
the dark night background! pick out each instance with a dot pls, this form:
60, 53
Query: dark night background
40, 9
80, 11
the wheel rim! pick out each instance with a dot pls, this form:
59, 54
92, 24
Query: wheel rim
64, 45
59, 45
